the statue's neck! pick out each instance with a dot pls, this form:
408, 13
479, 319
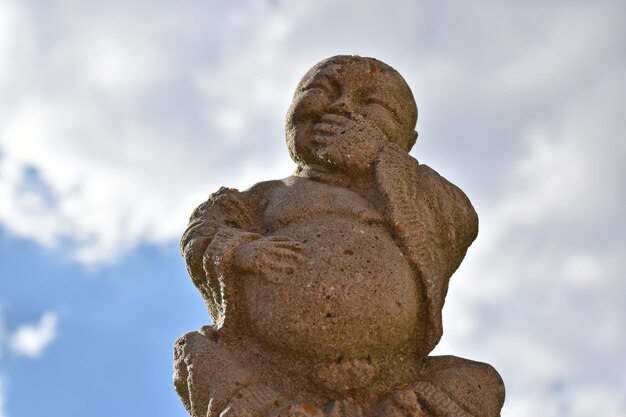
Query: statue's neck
336, 178
365, 186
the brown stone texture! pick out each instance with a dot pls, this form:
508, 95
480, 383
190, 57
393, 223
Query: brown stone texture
326, 287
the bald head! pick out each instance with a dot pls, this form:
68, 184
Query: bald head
355, 86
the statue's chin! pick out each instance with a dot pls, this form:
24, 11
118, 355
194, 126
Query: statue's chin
331, 161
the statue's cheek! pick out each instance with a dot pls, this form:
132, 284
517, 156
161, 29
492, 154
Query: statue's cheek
309, 104
381, 119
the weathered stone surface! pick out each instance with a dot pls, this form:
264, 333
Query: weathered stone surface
326, 287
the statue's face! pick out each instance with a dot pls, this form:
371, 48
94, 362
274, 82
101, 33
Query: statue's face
343, 113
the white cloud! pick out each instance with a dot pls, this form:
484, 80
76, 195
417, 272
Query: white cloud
567, 55
29, 340
542, 288
32, 339
583, 400
113, 124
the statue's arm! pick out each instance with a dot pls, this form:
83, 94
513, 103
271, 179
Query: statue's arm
217, 227
208, 375
433, 218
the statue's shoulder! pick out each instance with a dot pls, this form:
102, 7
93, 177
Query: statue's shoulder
264, 187
196, 345
233, 200
258, 190
475, 386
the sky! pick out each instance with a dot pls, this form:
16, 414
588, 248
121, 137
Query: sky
117, 118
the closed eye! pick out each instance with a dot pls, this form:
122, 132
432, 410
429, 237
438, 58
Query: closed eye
328, 85
384, 105
319, 86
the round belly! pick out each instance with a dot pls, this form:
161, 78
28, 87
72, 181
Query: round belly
354, 297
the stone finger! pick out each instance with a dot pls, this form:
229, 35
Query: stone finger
293, 245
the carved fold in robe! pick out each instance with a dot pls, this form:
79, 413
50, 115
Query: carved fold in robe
434, 221
216, 228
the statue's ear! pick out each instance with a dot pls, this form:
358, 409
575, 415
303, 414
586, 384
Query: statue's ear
412, 141
391, 157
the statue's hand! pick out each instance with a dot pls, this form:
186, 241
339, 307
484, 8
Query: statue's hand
272, 257
355, 127
348, 143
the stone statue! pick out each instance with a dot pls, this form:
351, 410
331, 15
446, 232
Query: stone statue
326, 287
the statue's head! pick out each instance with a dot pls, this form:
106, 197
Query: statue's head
345, 109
